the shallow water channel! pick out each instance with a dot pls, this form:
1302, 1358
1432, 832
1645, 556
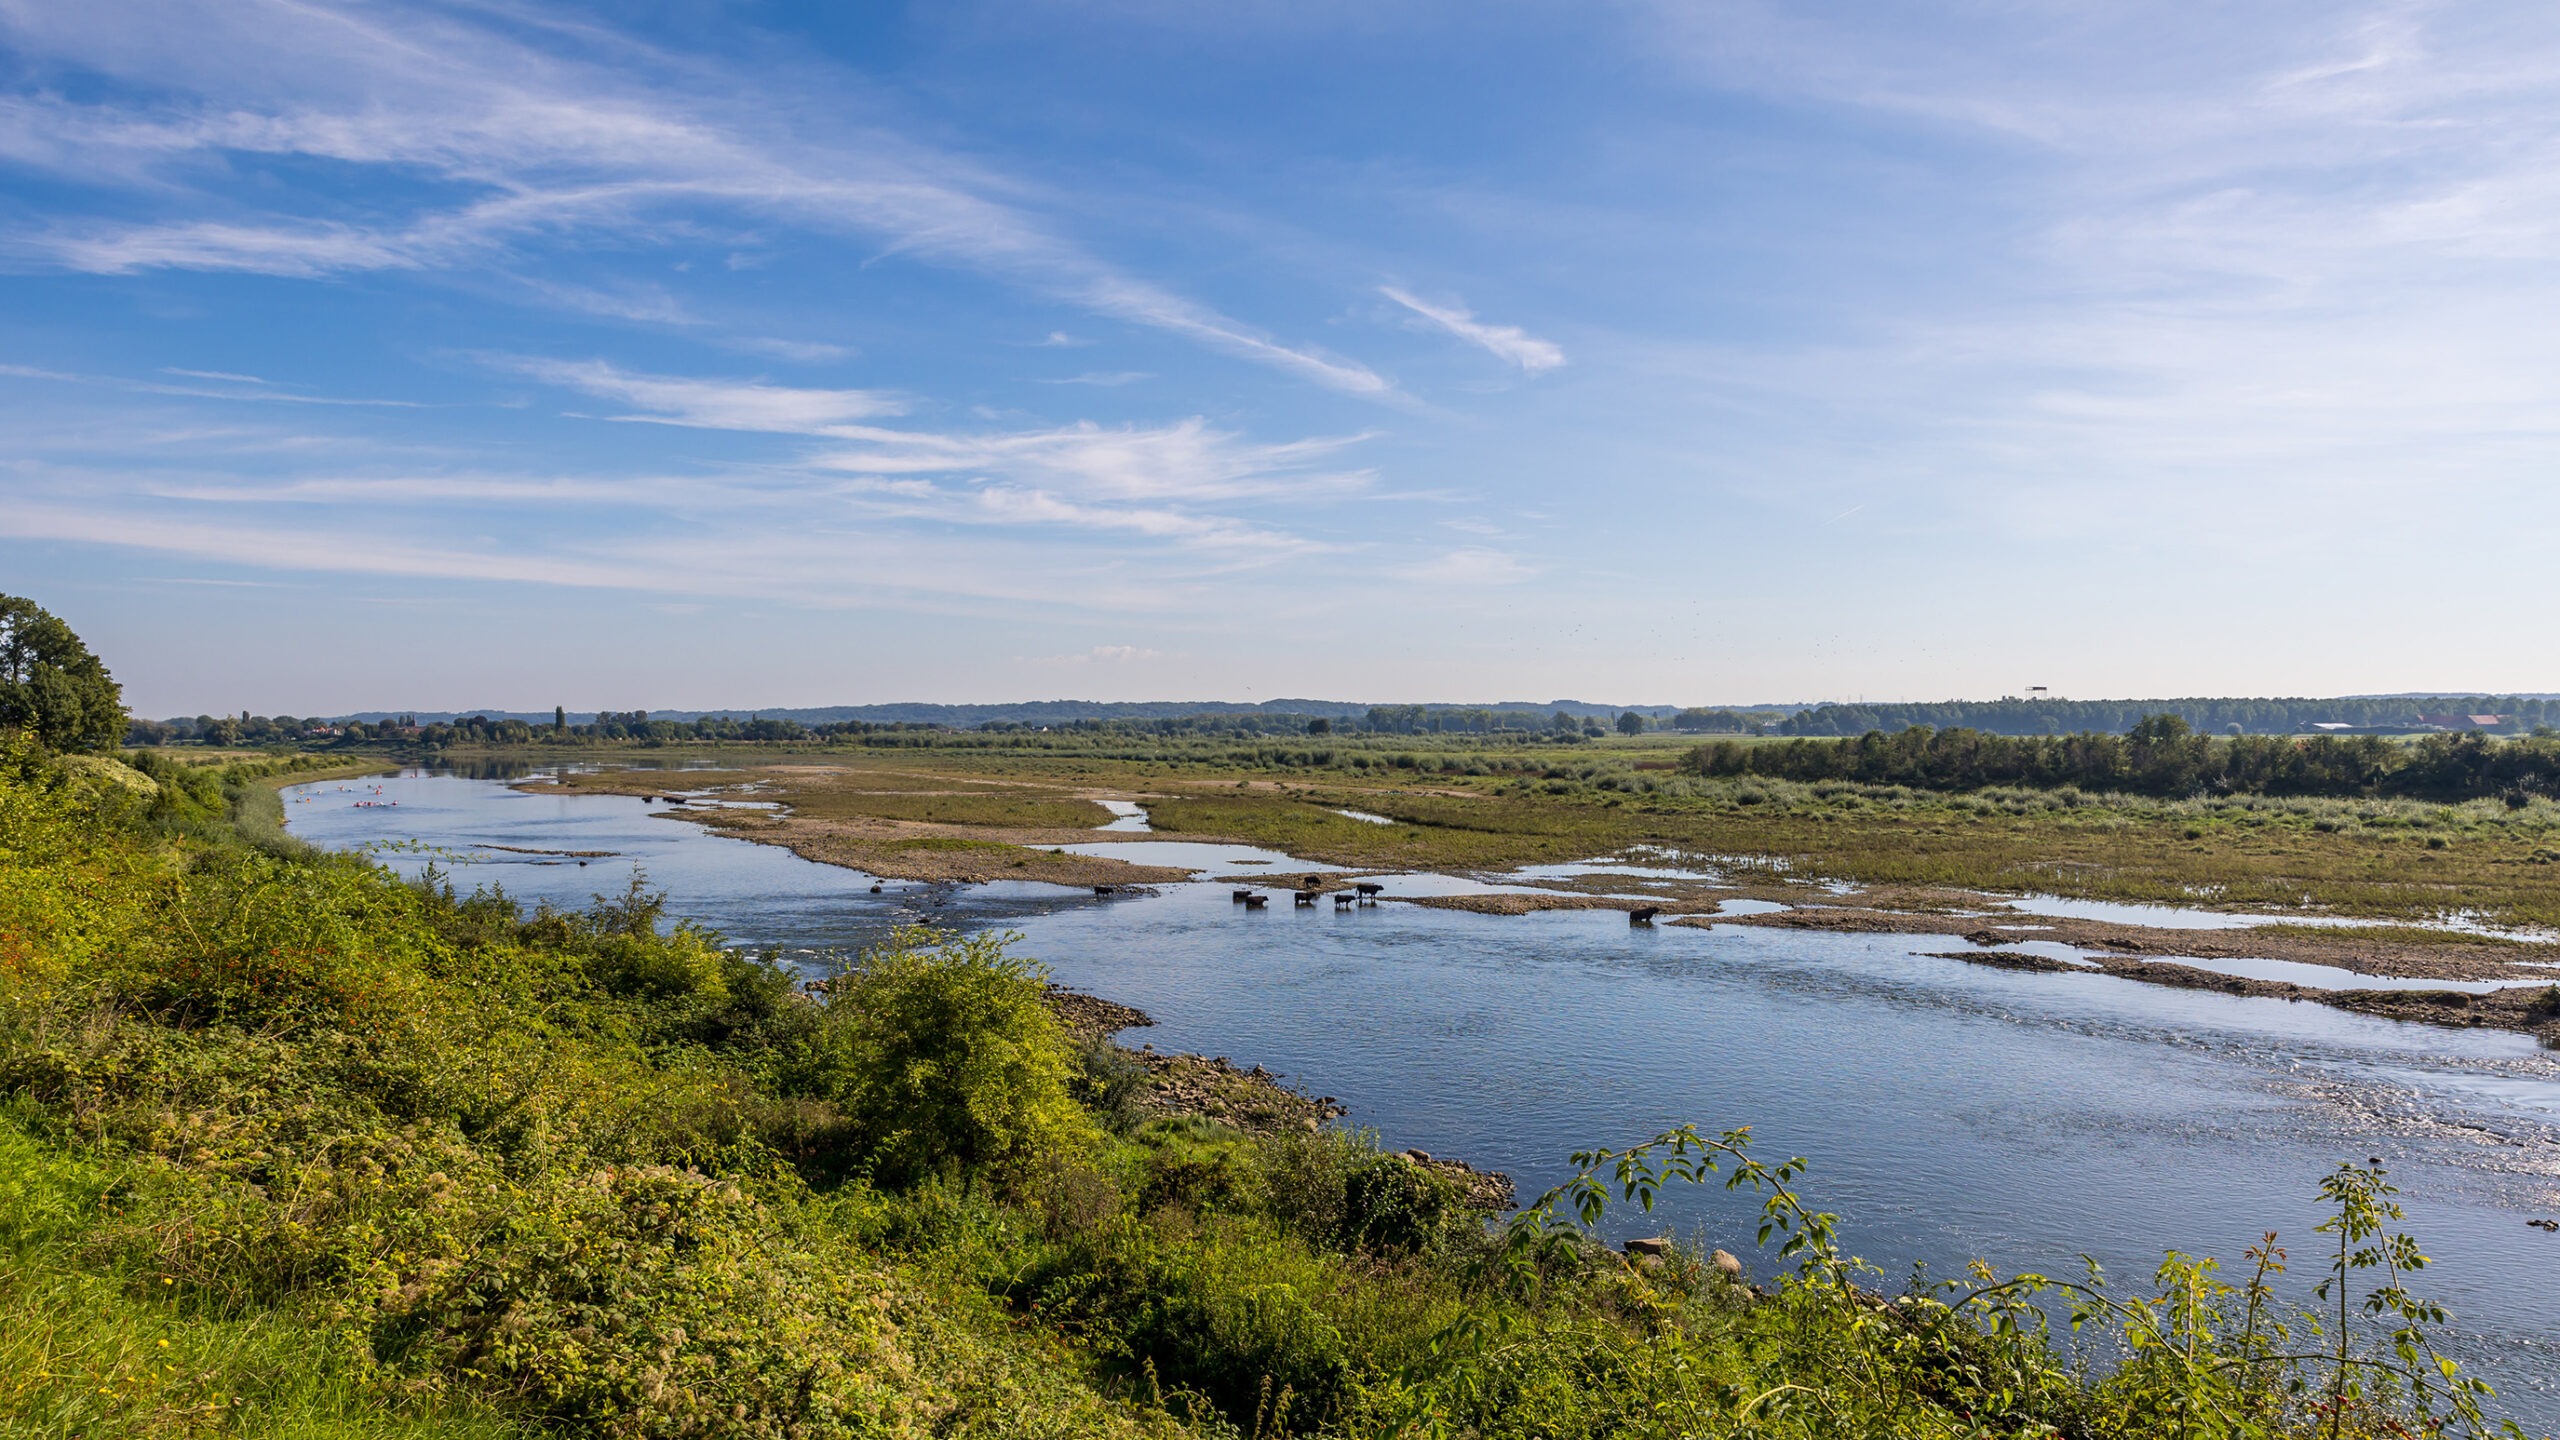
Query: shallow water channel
1949, 1110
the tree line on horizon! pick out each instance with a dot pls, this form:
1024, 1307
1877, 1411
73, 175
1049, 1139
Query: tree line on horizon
2518, 714
2162, 755
2008, 718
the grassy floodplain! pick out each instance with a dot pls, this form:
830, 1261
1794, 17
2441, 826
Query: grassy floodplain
1463, 805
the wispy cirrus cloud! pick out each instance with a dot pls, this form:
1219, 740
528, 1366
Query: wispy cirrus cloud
799, 352
517, 144
1106, 655
1506, 342
1107, 379
712, 404
212, 385
1470, 567
1188, 460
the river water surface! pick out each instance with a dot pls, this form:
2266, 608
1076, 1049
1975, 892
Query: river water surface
1950, 1111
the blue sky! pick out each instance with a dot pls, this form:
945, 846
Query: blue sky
691, 354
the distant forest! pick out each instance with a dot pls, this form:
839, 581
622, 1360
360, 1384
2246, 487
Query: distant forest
2520, 714
2161, 756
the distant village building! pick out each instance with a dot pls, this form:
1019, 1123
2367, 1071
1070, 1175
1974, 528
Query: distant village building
2463, 722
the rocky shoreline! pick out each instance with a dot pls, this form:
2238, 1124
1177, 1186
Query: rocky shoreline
1254, 1100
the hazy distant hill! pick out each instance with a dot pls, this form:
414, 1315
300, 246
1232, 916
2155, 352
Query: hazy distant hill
1031, 712
2032, 716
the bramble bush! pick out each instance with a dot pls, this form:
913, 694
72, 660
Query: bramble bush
943, 1056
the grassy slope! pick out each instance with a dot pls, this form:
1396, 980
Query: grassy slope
376, 1161
102, 1348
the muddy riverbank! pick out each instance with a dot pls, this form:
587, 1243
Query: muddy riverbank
2448, 957
911, 850
2533, 1010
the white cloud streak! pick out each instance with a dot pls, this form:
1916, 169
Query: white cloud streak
713, 404
537, 143
1187, 461
1505, 342
1469, 568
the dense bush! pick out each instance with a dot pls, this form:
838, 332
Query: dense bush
942, 1054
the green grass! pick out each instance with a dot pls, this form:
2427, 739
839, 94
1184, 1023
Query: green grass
94, 1348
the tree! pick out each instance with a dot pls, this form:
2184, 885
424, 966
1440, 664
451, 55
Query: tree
51, 686
1630, 723
1320, 726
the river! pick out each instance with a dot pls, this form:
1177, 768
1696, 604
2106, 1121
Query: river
1950, 1111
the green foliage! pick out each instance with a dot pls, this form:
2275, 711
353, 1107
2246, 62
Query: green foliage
51, 687
646, 1300
2160, 756
1111, 1085
942, 1053
1338, 1191
95, 1350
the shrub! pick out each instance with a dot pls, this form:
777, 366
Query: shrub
251, 939
1337, 1191
656, 1302
1392, 1206
941, 1052
1111, 1085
